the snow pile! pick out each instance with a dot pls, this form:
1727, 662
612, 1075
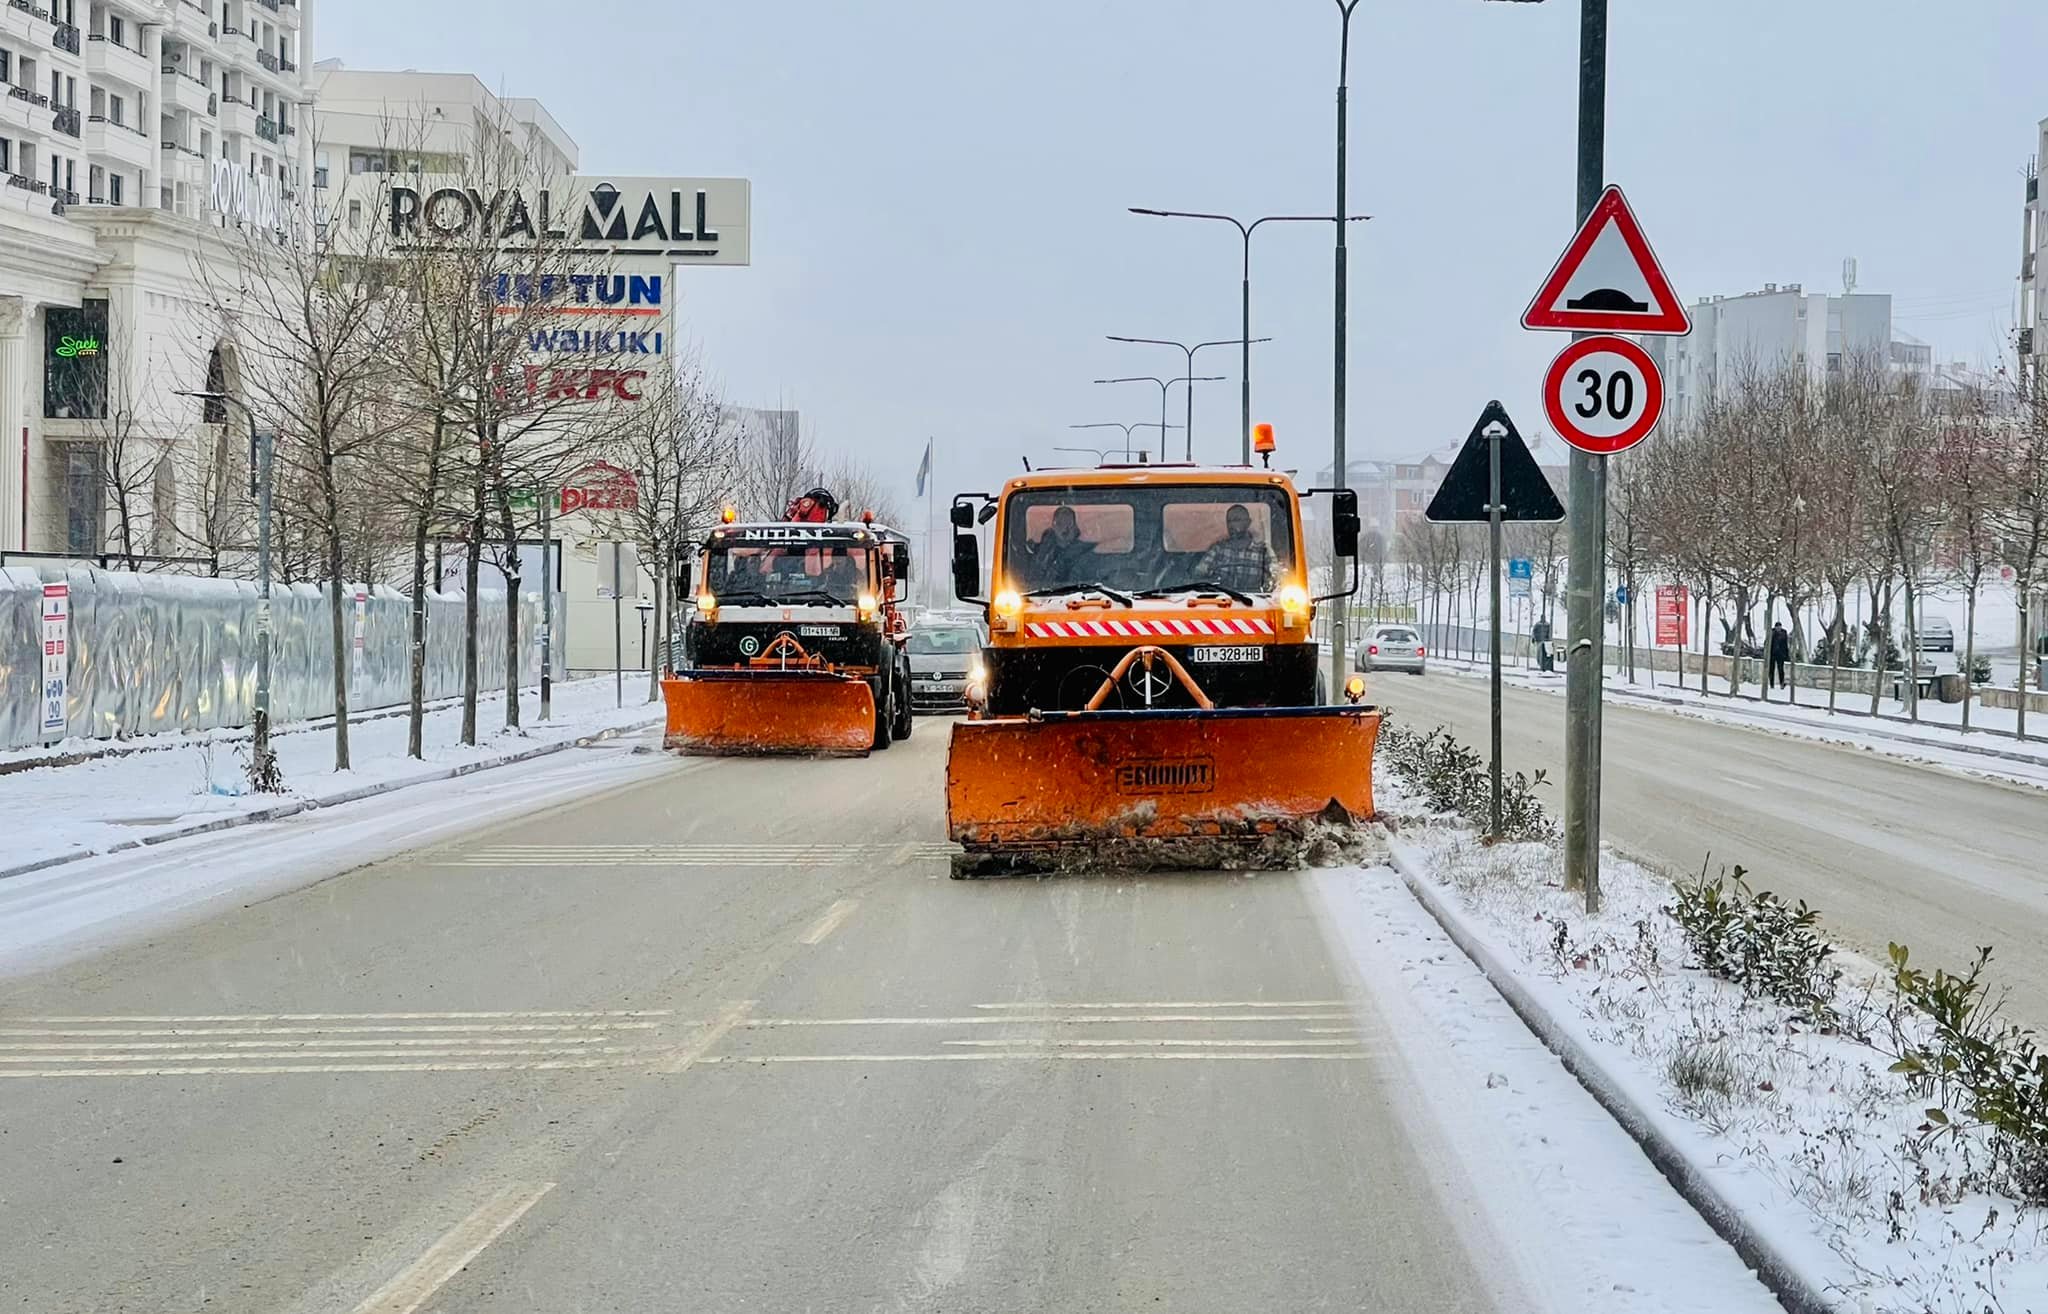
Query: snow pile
1780, 1092
113, 802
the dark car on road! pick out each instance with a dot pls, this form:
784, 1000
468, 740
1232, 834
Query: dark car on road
943, 654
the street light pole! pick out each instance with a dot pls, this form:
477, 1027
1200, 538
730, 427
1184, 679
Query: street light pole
1586, 493
1190, 380
263, 774
1245, 338
1338, 637
1189, 349
1142, 424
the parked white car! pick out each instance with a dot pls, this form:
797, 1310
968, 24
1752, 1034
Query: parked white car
1935, 634
1392, 648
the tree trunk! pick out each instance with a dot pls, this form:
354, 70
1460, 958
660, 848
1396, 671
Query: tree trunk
1969, 648
513, 578
2026, 653
422, 524
1912, 653
655, 632
1706, 637
1740, 614
471, 569
1880, 640
338, 632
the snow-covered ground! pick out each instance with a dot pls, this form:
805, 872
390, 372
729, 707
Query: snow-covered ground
106, 802
1939, 743
1817, 1150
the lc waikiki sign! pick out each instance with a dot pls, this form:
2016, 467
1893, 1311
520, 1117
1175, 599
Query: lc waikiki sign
636, 298
674, 220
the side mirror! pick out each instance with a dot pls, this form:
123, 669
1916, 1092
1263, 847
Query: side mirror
902, 561
963, 516
966, 567
679, 578
1344, 522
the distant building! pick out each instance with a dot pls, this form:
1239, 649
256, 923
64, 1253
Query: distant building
1776, 325
1392, 493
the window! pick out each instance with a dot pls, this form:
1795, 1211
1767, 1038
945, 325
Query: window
213, 410
6, 65
1136, 536
117, 109
71, 92
75, 362
117, 30
6, 155
114, 189
355, 214
85, 500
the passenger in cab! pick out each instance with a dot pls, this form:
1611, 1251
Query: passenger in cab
1061, 555
1239, 560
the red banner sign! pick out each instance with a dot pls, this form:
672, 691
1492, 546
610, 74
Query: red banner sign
600, 486
1671, 603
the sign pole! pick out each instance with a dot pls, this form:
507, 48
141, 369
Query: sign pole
547, 601
1494, 434
618, 633
1586, 498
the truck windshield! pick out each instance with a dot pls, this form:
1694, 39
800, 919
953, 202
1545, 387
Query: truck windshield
822, 573
1157, 537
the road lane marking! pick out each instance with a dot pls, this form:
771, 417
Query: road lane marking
829, 923
344, 1017
274, 1069
1127, 1042
1741, 783
1182, 1003
697, 855
474, 1044
732, 1016
488, 1028
1059, 1019
1083, 1056
418, 1282
354, 1055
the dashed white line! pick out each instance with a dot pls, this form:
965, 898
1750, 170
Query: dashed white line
448, 1256
734, 1014
829, 923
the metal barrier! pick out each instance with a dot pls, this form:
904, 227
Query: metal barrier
151, 653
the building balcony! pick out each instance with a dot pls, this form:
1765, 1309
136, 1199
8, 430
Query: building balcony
106, 59
179, 90
65, 37
67, 121
25, 22
267, 60
266, 128
288, 15
237, 116
34, 186
122, 142
18, 109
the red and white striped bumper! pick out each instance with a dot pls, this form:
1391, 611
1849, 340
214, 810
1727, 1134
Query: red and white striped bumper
1163, 628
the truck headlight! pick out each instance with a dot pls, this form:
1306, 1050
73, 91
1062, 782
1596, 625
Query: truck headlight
708, 604
866, 603
1293, 599
1008, 604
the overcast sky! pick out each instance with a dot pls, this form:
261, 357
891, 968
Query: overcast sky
940, 239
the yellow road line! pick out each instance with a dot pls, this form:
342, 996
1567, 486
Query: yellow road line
418, 1282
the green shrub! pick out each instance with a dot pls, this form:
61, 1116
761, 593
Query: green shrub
1453, 778
1757, 941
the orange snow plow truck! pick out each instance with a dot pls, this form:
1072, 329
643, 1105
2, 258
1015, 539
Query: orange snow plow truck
1150, 696
794, 643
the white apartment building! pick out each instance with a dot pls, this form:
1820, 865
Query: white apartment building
1776, 325
129, 130
411, 122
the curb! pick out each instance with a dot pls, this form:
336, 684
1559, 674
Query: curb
354, 795
1793, 1289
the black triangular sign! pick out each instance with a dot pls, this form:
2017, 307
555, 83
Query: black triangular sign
1524, 493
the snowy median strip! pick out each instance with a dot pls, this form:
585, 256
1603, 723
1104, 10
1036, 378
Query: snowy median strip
1865, 1138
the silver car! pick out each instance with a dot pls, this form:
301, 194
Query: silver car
1391, 648
943, 653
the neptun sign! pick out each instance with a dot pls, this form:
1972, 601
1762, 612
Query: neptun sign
676, 220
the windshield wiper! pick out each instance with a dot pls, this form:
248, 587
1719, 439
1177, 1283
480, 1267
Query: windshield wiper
1198, 586
743, 598
816, 597
1104, 589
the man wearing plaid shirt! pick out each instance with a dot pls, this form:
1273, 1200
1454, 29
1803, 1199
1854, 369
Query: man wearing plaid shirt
1238, 560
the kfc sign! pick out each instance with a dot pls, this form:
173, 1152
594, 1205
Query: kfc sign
549, 383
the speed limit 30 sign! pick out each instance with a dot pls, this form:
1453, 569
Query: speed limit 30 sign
1603, 394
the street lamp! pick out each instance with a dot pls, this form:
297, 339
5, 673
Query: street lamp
263, 775
1142, 424
1245, 231
1190, 351
1190, 380
1338, 474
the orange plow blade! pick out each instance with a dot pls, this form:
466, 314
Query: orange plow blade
743, 712
1223, 788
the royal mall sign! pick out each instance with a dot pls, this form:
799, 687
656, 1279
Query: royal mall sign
692, 221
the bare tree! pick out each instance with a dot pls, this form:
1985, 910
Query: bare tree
776, 463
860, 490
1968, 480
311, 313
2020, 519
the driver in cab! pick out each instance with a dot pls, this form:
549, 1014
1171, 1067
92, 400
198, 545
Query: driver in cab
1061, 555
1239, 560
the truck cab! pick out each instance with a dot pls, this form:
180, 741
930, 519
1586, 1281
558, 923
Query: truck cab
832, 588
1208, 564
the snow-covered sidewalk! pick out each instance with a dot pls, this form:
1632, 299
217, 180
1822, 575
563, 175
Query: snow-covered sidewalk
198, 782
1785, 1123
1937, 739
